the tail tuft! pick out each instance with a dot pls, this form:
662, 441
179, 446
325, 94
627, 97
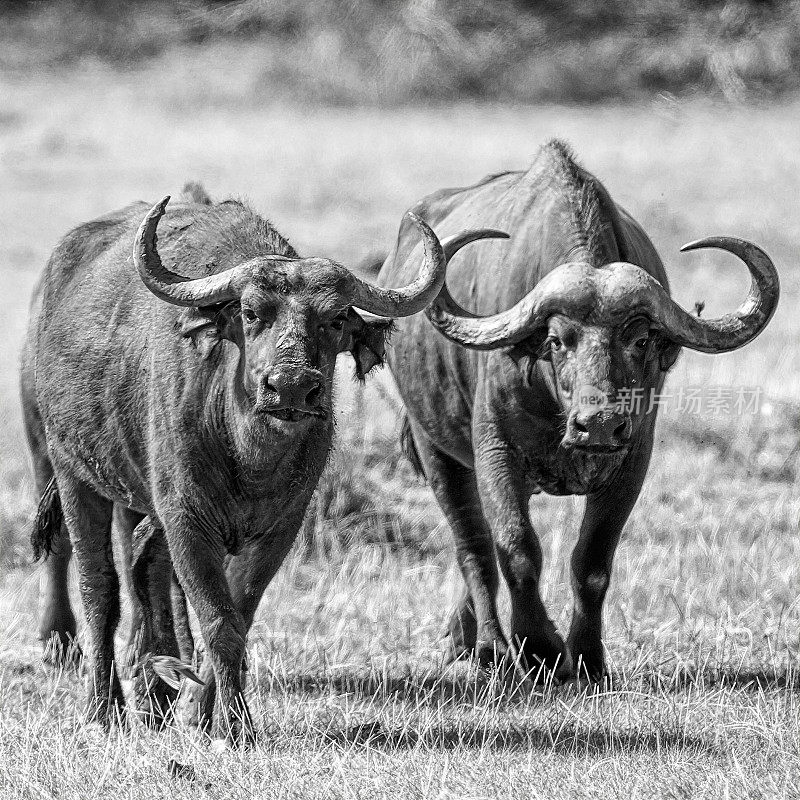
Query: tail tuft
47, 524
194, 192
409, 448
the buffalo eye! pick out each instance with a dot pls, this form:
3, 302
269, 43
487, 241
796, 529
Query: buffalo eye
641, 343
249, 316
337, 323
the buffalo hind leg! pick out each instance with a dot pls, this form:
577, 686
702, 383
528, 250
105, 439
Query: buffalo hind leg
151, 575
57, 627
124, 522
88, 518
505, 503
603, 520
474, 627
248, 574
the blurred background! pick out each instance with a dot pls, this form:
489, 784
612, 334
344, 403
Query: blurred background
332, 119
385, 52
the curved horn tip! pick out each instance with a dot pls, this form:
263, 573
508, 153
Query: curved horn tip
157, 211
715, 241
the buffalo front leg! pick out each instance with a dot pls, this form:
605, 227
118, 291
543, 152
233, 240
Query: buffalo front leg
88, 519
151, 574
504, 497
248, 573
592, 558
474, 626
198, 559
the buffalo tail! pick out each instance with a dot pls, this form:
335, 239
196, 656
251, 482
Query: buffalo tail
47, 524
409, 448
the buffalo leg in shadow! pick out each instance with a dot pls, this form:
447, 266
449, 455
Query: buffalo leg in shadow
88, 518
151, 577
505, 497
474, 627
57, 625
124, 522
180, 615
248, 575
603, 520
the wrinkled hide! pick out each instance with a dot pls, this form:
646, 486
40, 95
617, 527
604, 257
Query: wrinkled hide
497, 420
206, 426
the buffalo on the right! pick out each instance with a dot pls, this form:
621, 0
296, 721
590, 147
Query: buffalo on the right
538, 369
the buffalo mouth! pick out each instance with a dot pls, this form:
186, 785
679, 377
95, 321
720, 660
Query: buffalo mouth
293, 414
601, 449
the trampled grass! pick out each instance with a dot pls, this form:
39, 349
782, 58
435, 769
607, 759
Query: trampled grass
703, 620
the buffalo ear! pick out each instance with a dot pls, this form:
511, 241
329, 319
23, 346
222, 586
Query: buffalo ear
207, 327
367, 342
668, 352
534, 348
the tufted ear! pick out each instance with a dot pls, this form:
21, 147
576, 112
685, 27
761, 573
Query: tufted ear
208, 326
367, 342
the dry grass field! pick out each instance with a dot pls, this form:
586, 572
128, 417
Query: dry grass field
346, 682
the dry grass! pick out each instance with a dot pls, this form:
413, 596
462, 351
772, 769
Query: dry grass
702, 620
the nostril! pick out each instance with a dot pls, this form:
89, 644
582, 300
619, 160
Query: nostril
579, 426
314, 395
621, 430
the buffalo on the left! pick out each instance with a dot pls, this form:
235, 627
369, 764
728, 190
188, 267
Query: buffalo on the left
183, 387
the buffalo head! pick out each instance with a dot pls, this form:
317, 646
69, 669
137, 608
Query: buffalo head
289, 317
608, 334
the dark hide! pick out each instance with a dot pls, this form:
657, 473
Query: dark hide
488, 427
158, 411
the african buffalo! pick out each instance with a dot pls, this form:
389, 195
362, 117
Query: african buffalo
531, 389
190, 384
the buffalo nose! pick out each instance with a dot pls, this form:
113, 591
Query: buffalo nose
598, 428
294, 389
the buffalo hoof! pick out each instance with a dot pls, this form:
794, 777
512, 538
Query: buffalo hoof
61, 650
236, 730
589, 663
107, 712
489, 654
154, 700
544, 659
464, 644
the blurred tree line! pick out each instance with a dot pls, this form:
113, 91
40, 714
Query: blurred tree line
394, 51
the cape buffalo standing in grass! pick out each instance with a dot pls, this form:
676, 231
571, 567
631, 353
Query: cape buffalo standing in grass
189, 384
575, 316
